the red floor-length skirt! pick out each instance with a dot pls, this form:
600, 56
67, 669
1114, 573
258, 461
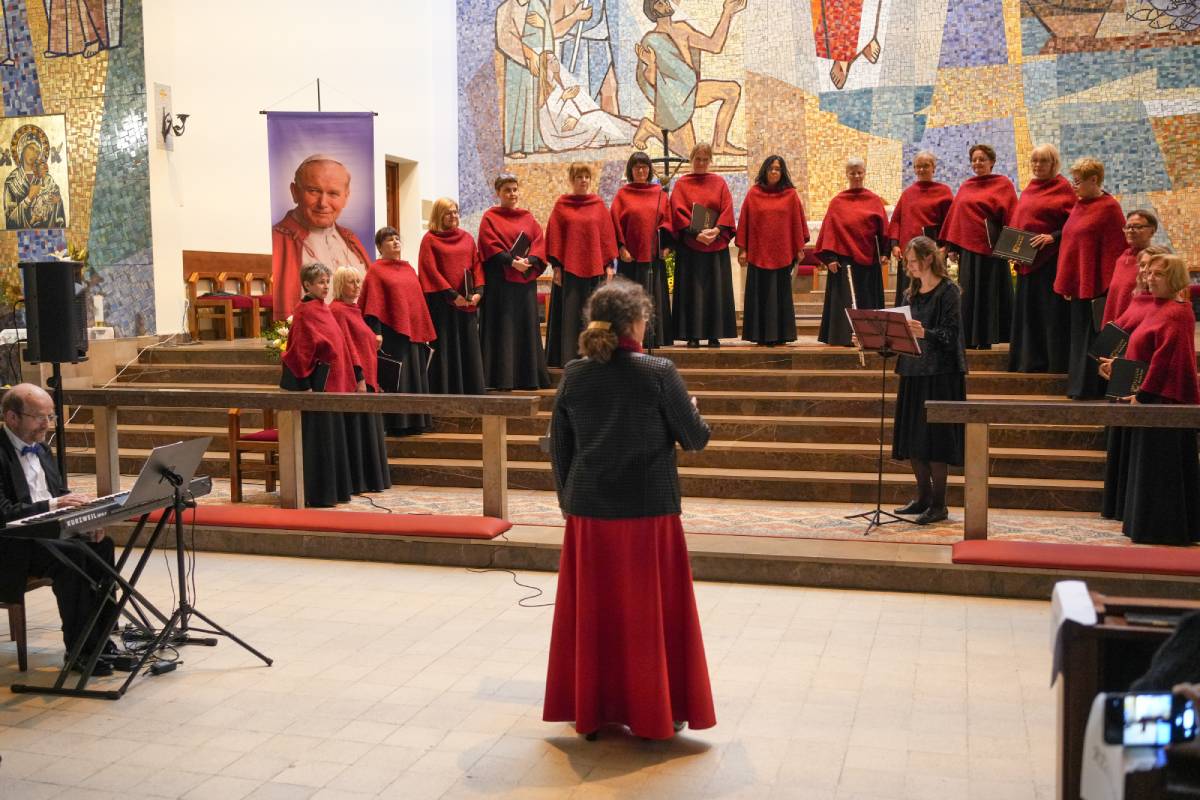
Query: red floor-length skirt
626, 645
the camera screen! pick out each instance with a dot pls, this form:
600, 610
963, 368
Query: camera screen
1147, 719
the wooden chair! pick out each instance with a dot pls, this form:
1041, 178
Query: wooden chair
265, 441
16, 622
257, 286
223, 307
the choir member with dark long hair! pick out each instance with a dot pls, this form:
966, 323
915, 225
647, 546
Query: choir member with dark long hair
920, 211
1137, 306
1041, 326
452, 278
626, 647
703, 303
641, 216
319, 359
1140, 227
365, 446
984, 204
394, 306
771, 235
513, 355
581, 244
1092, 241
1162, 498
939, 373
848, 245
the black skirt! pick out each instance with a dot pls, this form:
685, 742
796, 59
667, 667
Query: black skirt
367, 453
327, 477
457, 365
403, 369
913, 436
868, 290
565, 322
513, 356
1116, 473
1041, 324
639, 271
1083, 379
703, 303
1162, 499
987, 298
901, 286
769, 315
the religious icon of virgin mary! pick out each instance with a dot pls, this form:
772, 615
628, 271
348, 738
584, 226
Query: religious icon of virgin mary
32, 198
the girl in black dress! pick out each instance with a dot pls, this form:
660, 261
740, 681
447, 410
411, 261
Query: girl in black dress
939, 373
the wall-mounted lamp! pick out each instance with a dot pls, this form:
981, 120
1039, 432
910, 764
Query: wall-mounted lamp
168, 128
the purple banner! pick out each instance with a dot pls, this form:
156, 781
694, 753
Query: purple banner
347, 138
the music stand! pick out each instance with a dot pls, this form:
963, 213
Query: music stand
887, 334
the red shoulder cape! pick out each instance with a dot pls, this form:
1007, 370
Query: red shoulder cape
638, 212
498, 230
771, 227
1043, 207
315, 337
854, 218
922, 205
979, 199
1136, 311
1120, 288
287, 257
391, 293
361, 338
444, 258
580, 235
710, 191
1091, 243
1166, 341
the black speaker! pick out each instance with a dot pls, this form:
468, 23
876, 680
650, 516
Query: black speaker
55, 314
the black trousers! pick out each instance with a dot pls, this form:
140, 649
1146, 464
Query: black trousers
77, 599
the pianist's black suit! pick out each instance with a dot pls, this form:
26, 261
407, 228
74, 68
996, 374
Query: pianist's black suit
21, 559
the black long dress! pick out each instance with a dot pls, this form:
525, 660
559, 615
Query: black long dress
703, 304
403, 370
566, 316
1083, 381
457, 365
987, 299
769, 310
1162, 485
1041, 324
868, 289
639, 271
513, 356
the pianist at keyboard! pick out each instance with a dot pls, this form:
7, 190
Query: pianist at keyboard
30, 484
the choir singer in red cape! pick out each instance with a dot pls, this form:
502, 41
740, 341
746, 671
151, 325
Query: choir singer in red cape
703, 306
1092, 241
394, 306
1041, 326
319, 359
641, 216
920, 211
771, 234
626, 647
848, 245
984, 204
1140, 227
581, 244
513, 356
452, 278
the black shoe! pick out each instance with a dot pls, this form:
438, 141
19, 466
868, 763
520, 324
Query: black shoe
693, 343
933, 514
110, 648
102, 669
714, 342
591, 737
913, 507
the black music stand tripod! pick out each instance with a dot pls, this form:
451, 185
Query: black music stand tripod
667, 161
885, 333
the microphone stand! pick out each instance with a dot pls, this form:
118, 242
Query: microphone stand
667, 161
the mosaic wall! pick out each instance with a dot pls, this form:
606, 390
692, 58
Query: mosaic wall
84, 59
545, 82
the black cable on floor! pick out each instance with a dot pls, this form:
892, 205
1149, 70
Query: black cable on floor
523, 602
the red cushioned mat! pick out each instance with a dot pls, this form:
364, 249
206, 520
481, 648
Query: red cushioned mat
1161, 560
317, 520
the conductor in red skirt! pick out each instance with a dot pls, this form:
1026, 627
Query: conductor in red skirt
626, 647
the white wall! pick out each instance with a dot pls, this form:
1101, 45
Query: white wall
225, 60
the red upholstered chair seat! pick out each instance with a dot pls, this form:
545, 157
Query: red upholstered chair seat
268, 435
1154, 560
265, 300
242, 515
239, 301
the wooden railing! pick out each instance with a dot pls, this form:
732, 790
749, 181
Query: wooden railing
495, 411
977, 415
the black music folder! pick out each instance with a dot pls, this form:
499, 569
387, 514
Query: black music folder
703, 218
1098, 304
992, 229
521, 246
1110, 343
468, 285
932, 231
1126, 379
1014, 244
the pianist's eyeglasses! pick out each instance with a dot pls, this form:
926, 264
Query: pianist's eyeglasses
49, 418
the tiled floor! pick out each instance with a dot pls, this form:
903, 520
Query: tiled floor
422, 682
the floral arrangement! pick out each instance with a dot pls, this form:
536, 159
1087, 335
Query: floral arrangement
669, 261
276, 337
952, 266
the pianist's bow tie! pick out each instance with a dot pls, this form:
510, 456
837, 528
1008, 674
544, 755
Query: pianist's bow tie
30, 448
